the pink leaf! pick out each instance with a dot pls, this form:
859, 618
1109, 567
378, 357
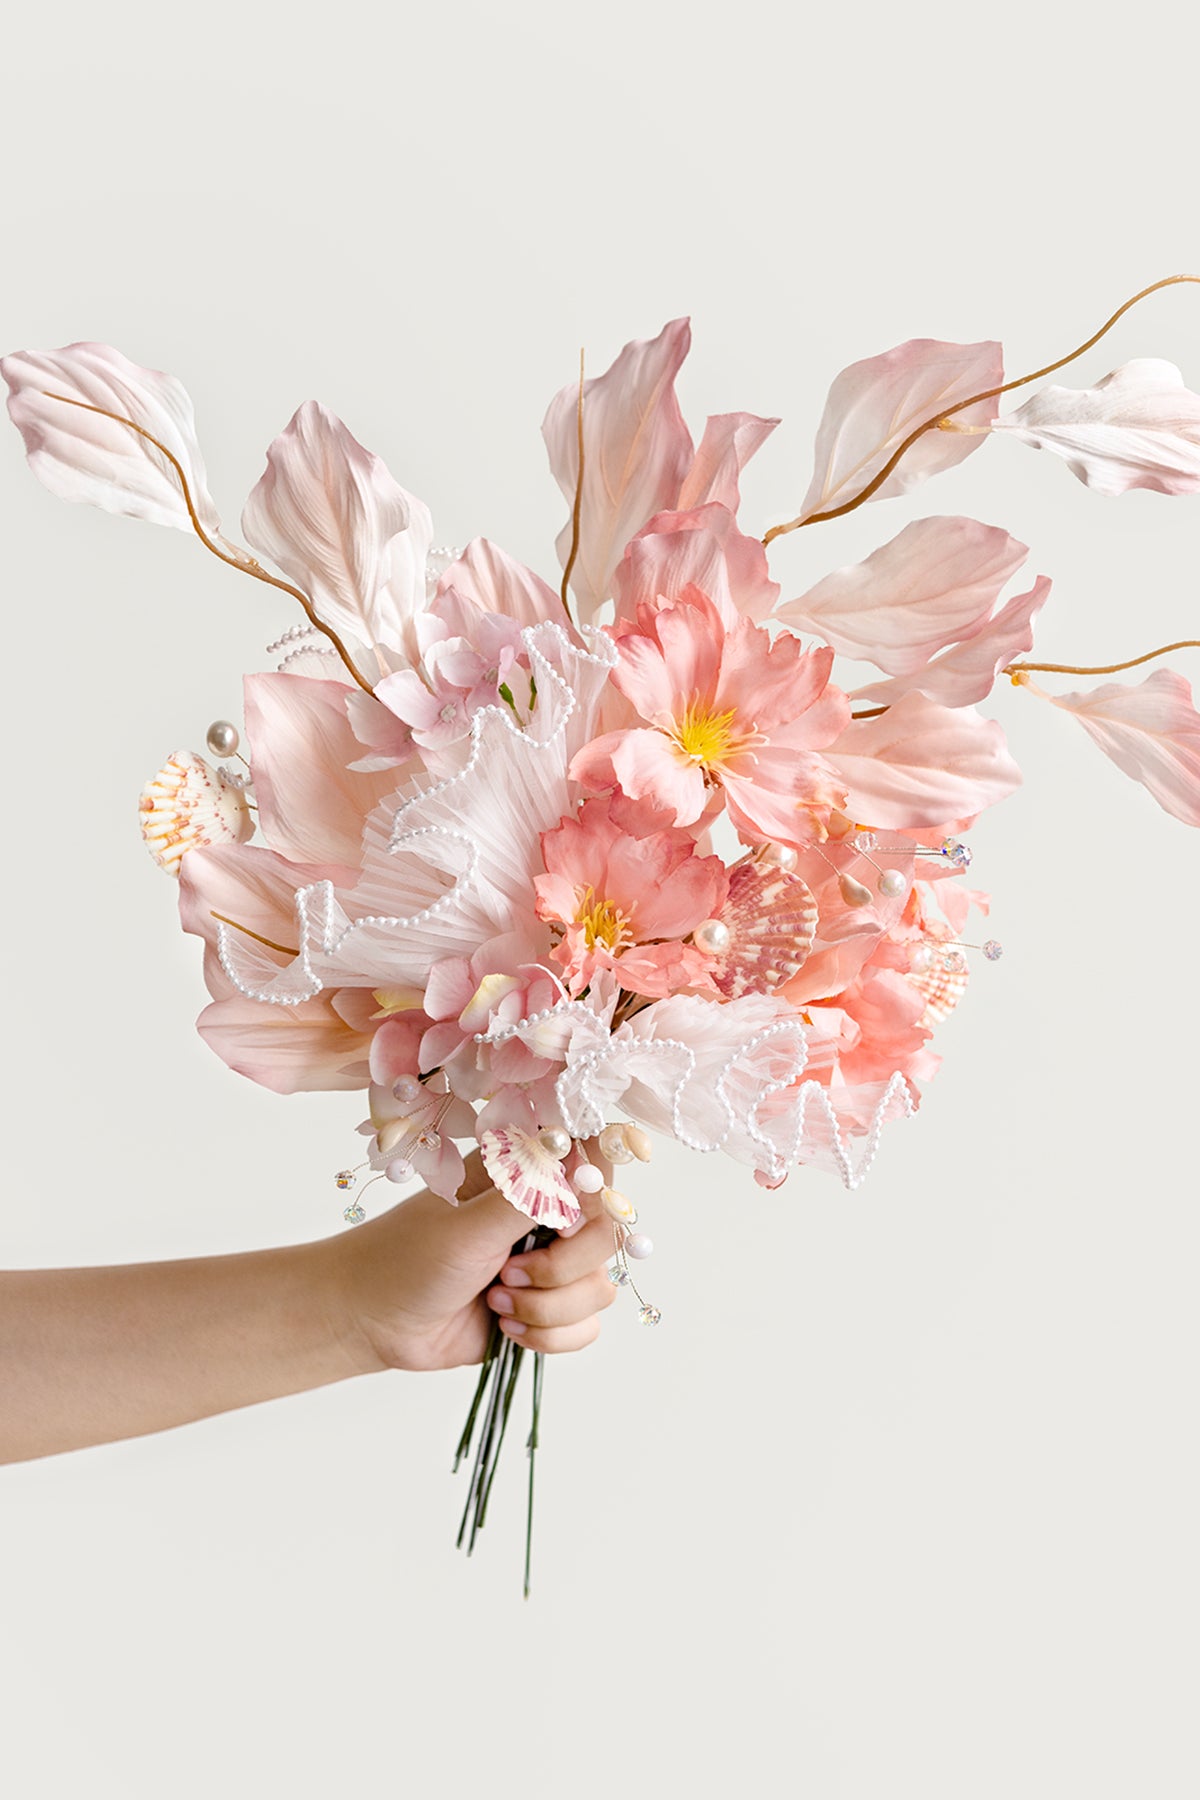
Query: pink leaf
329, 515
489, 578
637, 451
1138, 428
965, 674
729, 441
1151, 731
936, 581
80, 455
873, 405
921, 764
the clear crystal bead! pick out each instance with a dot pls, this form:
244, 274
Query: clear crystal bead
344, 1179
617, 1275
957, 853
649, 1315
993, 951
355, 1213
865, 840
954, 961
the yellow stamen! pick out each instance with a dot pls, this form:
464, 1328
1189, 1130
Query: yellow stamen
705, 737
603, 922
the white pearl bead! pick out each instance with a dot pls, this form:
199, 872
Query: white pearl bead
555, 1141
921, 958
222, 737
853, 892
406, 1087
639, 1246
712, 936
587, 1179
781, 855
612, 1144
892, 884
399, 1170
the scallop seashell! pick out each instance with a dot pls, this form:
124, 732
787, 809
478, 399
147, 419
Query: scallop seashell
772, 919
529, 1177
188, 806
942, 989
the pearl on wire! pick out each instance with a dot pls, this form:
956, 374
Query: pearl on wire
587, 1179
853, 892
892, 884
222, 738
555, 1141
639, 1246
712, 936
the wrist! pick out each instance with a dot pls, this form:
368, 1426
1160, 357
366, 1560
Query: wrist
334, 1273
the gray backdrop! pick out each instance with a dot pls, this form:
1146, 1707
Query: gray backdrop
901, 1499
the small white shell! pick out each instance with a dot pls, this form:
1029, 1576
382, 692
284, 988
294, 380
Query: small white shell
942, 989
639, 1141
617, 1206
529, 1177
188, 806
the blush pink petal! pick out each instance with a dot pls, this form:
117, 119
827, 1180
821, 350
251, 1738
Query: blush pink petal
647, 765
494, 582
933, 583
396, 1045
701, 548
770, 681
966, 673
729, 441
1151, 731
874, 404
80, 455
312, 804
779, 796
637, 451
328, 513
920, 763
288, 1049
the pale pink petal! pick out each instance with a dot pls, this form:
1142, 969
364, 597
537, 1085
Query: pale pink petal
80, 455
920, 764
648, 767
874, 405
936, 581
704, 549
329, 515
1138, 428
440, 1166
964, 674
1151, 731
311, 804
495, 582
637, 450
729, 441
289, 1049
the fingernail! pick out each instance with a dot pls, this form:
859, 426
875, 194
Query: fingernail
512, 1276
513, 1327
499, 1301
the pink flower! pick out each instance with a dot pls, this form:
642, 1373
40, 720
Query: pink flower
727, 709
627, 895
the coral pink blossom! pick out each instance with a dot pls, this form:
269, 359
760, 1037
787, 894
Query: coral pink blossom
627, 899
726, 708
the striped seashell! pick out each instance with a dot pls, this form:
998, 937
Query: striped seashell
771, 914
529, 1177
188, 806
942, 989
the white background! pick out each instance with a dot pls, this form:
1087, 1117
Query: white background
901, 1499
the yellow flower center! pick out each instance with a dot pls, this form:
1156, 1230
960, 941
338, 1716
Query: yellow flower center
603, 923
704, 736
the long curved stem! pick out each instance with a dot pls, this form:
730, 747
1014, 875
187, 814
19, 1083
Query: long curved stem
247, 565
245, 930
939, 419
577, 509
1020, 668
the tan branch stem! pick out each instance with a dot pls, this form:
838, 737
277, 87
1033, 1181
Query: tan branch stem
938, 419
577, 509
246, 932
1041, 668
248, 565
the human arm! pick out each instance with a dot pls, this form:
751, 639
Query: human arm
91, 1355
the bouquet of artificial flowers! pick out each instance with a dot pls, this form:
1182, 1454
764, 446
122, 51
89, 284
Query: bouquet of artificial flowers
553, 868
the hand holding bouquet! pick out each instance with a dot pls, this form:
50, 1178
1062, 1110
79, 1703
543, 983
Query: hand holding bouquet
553, 869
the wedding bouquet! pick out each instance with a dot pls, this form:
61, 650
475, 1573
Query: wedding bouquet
551, 869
